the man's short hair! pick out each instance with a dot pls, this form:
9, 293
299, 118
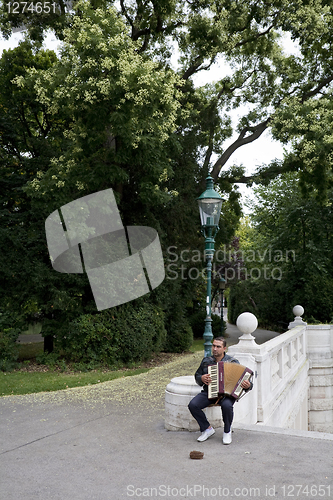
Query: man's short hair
221, 339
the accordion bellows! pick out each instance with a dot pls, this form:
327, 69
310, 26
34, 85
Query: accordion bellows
227, 379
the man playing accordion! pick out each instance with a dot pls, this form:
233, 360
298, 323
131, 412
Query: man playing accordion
201, 400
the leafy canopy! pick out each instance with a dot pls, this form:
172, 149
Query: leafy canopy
115, 110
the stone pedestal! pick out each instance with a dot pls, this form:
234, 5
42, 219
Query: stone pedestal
178, 394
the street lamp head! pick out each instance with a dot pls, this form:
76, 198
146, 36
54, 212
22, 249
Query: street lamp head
222, 284
210, 204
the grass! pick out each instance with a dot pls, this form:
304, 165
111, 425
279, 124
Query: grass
19, 382
54, 378
197, 346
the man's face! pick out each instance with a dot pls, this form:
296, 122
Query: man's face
218, 350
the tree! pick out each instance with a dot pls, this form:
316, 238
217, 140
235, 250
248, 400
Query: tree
29, 138
111, 112
49, 167
248, 39
290, 250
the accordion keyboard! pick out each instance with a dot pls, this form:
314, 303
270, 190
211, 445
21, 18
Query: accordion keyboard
227, 379
213, 388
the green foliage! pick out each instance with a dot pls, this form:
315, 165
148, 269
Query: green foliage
49, 359
266, 299
173, 297
180, 336
115, 336
113, 100
111, 112
27, 142
8, 348
197, 322
9, 332
287, 255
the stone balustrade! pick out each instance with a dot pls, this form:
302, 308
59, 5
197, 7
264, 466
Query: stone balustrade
293, 385
282, 379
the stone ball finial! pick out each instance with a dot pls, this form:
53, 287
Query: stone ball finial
298, 310
247, 322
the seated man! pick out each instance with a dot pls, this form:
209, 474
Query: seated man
201, 400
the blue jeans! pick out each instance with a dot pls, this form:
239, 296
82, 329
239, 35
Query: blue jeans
201, 401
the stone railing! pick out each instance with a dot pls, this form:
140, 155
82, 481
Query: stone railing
282, 383
293, 385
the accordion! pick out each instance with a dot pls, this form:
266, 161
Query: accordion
227, 379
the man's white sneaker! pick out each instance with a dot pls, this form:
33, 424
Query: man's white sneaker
227, 437
206, 434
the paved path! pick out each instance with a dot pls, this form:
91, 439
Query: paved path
260, 335
108, 442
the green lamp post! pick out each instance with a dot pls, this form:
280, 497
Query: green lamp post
210, 204
222, 288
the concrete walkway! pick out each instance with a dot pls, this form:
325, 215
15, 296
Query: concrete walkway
108, 442
260, 335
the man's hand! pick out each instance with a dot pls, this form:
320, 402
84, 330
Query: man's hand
206, 379
246, 384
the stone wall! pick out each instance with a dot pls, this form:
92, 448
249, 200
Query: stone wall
320, 354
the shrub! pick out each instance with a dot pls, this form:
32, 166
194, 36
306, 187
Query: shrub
9, 350
121, 335
266, 299
180, 336
197, 322
9, 331
173, 296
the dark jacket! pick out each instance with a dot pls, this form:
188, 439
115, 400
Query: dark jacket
203, 368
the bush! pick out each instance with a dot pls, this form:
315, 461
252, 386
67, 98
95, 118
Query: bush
197, 322
272, 301
9, 350
173, 296
121, 335
180, 336
9, 331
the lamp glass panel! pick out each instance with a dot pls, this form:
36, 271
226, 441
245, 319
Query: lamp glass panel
210, 210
